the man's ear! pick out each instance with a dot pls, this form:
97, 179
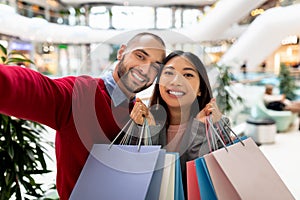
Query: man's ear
121, 51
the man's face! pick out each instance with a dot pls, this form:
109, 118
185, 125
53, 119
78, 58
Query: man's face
138, 66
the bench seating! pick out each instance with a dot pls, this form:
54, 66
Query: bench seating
283, 119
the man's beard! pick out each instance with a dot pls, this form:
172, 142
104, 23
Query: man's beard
127, 82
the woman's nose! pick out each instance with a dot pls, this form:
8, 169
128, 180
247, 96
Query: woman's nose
177, 79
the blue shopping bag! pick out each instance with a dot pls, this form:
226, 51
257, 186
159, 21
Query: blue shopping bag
206, 187
179, 193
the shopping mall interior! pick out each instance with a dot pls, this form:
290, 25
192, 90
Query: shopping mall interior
76, 37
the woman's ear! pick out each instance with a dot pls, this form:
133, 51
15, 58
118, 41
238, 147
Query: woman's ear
199, 93
121, 51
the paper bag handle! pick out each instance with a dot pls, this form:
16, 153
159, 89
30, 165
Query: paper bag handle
145, 131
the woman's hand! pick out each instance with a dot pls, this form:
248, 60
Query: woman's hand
140, 111
210, 108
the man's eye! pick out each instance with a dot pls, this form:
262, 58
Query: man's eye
156, 66
141, 57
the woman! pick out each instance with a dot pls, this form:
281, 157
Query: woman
181, 101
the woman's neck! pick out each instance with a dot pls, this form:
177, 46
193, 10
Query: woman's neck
179, 115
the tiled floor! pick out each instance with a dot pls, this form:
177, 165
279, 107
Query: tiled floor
285, 158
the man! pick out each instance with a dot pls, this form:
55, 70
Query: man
83, 110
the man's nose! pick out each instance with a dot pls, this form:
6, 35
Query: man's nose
145, 68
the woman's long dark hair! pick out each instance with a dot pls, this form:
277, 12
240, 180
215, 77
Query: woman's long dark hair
200, 101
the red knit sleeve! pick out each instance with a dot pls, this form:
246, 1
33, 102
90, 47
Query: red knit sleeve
27, 94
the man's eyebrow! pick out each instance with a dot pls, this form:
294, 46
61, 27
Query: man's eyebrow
145, 52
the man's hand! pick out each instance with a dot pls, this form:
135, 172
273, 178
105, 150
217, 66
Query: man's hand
140, 111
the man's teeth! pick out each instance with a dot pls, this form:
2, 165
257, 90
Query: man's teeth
176, 93
137, 77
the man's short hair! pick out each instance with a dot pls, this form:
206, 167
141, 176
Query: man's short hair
139, 35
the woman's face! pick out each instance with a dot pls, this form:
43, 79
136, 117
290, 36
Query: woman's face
179, 83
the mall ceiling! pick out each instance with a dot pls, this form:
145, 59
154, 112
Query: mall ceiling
143, 2
216, 25
222, 22
201, 4
65, 4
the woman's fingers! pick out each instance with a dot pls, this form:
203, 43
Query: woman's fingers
212, 109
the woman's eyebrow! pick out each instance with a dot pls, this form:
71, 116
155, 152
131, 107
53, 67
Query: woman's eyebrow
189, 68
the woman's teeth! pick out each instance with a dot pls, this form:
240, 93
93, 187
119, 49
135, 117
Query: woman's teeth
176, 93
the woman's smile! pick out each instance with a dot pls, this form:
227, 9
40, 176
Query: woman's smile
175, 93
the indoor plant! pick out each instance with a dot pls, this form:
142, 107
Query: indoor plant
22, 149
287, 83
226, 98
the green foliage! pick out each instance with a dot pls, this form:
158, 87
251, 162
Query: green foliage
22, 154
114, 53
226, 98
12, 57
287, 83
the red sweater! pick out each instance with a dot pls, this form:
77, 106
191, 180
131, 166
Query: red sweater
78, 108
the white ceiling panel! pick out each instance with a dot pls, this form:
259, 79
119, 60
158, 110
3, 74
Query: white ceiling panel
263, 36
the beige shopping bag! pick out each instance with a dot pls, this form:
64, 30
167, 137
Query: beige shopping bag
168, 178
241, 171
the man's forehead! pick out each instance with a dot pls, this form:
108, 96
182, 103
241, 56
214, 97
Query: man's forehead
146, 48
145, 41
151, 51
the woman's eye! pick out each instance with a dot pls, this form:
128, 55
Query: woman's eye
188, 75
168, 73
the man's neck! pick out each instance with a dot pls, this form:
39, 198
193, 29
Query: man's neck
129, 95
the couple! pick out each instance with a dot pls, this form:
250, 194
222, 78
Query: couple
85, 110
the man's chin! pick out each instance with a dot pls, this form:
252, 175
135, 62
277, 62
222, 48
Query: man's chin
137, 90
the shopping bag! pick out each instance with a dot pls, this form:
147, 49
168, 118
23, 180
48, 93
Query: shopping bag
155, 184
193, 192
199, 185
241, 171
179, 193
167, 174
171, 187
204, 181
167, 189
117, 172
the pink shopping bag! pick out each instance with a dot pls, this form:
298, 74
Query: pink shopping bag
241, 171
